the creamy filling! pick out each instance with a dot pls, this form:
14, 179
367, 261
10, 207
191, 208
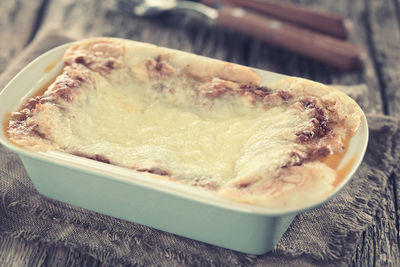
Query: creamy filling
134, 125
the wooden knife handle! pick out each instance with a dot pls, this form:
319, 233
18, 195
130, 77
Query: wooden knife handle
317, 46
330, 24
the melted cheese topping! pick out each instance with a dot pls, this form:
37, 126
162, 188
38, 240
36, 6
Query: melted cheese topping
134, 126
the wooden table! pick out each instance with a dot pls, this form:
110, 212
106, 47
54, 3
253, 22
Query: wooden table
376, 29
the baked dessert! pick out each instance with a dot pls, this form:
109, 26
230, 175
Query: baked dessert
193, 120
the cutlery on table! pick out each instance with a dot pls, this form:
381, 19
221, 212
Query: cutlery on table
261, 26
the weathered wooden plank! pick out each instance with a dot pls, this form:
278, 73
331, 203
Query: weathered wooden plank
385, 37
396, 4
18, 24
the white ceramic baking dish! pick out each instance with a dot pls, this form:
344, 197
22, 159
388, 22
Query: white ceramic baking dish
176, 208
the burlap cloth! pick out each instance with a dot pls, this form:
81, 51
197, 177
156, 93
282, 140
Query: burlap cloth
326, 235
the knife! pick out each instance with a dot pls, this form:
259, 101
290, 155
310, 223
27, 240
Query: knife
324, 22
321, 47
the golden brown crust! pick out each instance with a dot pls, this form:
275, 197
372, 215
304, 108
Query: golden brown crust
344, 108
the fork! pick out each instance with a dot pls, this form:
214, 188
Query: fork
155, 7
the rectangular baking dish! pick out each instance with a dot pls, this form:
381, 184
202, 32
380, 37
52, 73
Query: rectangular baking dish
176, 208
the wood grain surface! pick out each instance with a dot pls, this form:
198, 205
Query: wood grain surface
376, 28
